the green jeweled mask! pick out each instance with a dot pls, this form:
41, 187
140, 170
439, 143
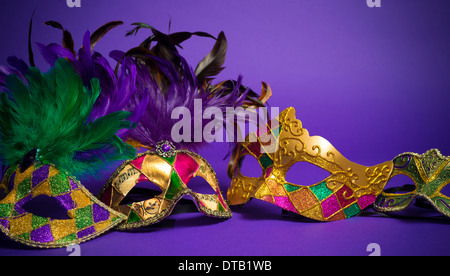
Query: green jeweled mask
430, 173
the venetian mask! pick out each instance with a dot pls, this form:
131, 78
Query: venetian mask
430, 173
349, 189
170, 170
87, 216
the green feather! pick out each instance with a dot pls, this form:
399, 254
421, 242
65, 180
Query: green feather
50, 112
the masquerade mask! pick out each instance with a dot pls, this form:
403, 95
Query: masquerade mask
174, 89
349, 189
430, 173
171, 170
50, 114
88, 217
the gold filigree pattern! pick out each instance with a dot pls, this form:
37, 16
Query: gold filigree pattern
348, 184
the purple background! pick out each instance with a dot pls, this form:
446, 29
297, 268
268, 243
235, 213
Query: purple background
373, 81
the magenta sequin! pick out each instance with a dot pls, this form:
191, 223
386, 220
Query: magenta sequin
330, 206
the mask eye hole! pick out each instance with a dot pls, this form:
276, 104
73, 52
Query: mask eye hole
199, 185
143, 190
47, 207
400, 184
306, 174
250, 167
446, 190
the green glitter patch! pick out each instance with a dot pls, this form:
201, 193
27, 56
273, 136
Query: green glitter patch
265, 161
68, 238
59, 184
84, 217
321, 190
6, 210
291, 188
23, 188
352, 210
25, 236
37, 221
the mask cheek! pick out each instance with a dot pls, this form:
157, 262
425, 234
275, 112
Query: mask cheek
86, 216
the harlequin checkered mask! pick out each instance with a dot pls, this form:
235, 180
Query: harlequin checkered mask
87, 216
430, 173
170, 170
349, 189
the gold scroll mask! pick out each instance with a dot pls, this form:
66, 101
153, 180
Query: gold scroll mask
171, 174
349, 189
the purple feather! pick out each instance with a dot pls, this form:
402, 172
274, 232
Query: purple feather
182, 89
118, 91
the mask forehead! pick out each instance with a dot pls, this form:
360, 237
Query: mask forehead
430, 173
350, 188
172, 175
88, 216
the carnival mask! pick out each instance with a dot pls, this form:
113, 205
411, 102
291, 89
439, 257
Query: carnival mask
430, 173
87, 216
349, 189
47, 140
170, 170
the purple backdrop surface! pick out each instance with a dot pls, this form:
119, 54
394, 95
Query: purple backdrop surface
373, 81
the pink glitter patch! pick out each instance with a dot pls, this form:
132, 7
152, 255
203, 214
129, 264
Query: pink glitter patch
365, 201
269, 170
285, 203
185, 167
330, 206
137, 163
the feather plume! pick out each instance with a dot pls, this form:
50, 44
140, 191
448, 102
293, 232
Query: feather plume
211, 65
170, 82
117, 86
50, 113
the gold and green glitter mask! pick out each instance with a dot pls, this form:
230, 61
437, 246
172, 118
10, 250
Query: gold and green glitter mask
349, 189
88, 217
170, 170
430, 173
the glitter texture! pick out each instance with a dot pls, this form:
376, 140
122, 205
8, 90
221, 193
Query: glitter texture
265, 161
330, 206
40, 231
345, 196
365, 201
321, 190
99, 214
39, 175
285, 203
352, 210
42, 234
303, 199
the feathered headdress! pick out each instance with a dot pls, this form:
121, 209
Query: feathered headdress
169, 80
47, 119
